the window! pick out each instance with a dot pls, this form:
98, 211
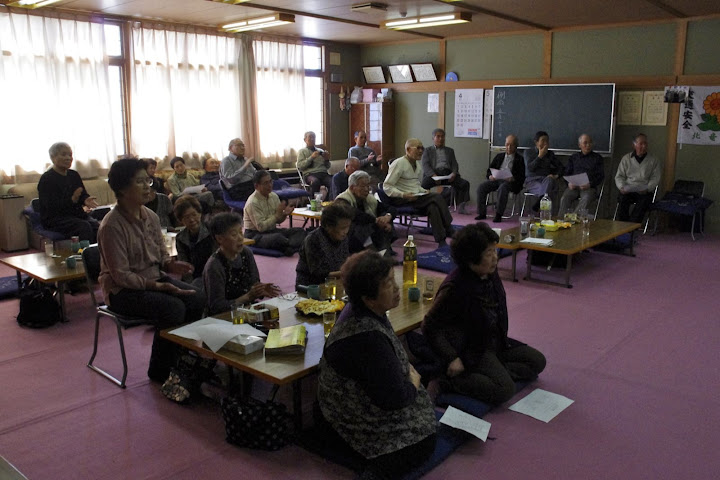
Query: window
314, 91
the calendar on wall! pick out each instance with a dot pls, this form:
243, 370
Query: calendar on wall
469, 112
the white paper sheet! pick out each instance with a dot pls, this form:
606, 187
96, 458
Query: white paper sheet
463, 421
542, 405
635, 188
500, 174
580, 179
307, 211
283, 303
215, 332
538, 241
441, 177
193, 190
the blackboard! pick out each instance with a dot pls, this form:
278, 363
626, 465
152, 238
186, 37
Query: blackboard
564, 111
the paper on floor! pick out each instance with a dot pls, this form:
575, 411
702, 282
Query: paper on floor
464, 421
542, 405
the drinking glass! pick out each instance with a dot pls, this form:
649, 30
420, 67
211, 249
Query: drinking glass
328, 322
236, 313
584, 219
49, 249
429, 292
330, 289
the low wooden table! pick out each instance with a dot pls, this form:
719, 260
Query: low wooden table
47, 270
569, 241
306, 215
284, 369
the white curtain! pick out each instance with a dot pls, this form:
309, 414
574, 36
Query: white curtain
281, 99
184, 95
54, 81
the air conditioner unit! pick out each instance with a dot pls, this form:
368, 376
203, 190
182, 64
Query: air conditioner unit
369, 6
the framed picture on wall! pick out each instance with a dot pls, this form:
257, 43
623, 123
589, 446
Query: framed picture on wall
400, 73
424, 72
374, 74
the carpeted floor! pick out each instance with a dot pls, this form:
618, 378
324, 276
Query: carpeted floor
634, 343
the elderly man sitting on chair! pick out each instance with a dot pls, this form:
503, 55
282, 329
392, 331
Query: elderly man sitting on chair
439, 160
402, 185
373, 221
590, 163
313, 163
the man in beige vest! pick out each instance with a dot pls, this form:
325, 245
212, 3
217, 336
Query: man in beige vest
373, 222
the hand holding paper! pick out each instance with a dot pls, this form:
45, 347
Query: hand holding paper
500, 174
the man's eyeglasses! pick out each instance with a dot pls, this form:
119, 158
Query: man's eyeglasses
420, 147
144, 181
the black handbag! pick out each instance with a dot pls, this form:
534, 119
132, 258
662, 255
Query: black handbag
38, 307
254, 424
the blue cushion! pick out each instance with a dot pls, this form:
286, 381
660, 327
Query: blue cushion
321, 442
9, 286
267, 252
36, 225
439, 260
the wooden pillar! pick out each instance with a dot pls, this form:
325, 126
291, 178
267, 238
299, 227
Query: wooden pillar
441, 78
674, 109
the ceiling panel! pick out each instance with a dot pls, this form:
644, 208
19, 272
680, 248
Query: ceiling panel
696, 7
549, 13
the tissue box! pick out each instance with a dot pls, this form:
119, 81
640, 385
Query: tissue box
244, 344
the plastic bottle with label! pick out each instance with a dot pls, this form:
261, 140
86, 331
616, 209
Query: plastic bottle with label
409, 262
545, 208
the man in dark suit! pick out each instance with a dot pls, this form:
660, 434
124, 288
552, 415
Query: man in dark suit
510, 162
439, 160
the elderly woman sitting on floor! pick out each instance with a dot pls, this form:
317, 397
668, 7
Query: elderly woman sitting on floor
369, 394
326, 248
467, 324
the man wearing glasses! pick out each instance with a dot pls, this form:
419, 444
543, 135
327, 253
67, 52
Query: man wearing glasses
403, 186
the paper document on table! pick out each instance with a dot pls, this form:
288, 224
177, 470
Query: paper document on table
215, 332
580, 179
635, 188
546, 242
307, 211
285, 301
500, 174
464, 421
438, 178
542, 405
193, 190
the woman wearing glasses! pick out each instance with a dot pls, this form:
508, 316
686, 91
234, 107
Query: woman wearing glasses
134, 265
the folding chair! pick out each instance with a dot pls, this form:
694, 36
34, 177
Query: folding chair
491, 199
91, 260
406, 214
687, 199
647, 219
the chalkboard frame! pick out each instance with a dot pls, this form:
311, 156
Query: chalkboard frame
603, 142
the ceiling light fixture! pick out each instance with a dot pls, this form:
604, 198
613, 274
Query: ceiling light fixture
429, 21
29, 3
257, 23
